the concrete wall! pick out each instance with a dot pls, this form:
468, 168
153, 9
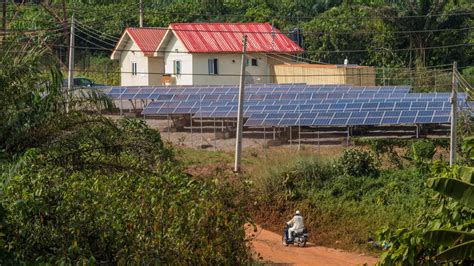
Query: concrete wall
186, 78
126, 59
145, 67
194, 67
156, 65
229, 69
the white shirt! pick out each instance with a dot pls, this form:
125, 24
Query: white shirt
297, 222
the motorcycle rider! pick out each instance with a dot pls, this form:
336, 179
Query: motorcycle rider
296, 223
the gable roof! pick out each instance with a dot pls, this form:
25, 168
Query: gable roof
227, 38
147, 39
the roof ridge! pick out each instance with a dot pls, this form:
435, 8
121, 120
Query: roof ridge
147, 28
229, 23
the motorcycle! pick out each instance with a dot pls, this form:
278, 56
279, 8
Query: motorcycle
298, 239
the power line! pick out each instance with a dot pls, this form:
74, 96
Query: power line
260, 75
92, 30
95, 37
305, 31
394, 50
78, 36
307, 52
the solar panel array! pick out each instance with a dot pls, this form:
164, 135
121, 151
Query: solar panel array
267, 105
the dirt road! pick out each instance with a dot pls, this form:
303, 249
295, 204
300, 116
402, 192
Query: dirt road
268, 247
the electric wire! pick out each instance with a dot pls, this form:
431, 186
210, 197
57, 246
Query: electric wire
308, 52
106, 36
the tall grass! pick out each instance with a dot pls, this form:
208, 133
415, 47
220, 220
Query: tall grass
340, 211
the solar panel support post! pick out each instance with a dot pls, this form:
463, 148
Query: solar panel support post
417, 130
319, 144
299, 137
191, 127
121, 102
347, 142
215, 136
454, 101
169, 134
70, 77
264, 137
290, 137
200, 119
240, 121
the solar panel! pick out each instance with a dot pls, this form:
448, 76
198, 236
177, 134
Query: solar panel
297, 104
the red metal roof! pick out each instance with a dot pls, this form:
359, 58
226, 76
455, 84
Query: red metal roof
147, 39
227, 38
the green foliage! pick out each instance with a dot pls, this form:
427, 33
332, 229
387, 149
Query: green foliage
462, 192
368, 28
357, 162
342, 207
468, 147
101, 70
33, 105
114, 194
421, 154
79, 188
423, 150
461, 252
286, 182
444, 235
398, 151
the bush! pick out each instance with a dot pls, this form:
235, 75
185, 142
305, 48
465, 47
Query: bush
113, 194
357, 162
288, 182
421, 155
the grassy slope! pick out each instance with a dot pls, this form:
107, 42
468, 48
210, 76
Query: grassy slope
344, 220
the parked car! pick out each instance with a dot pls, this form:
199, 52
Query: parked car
83, 82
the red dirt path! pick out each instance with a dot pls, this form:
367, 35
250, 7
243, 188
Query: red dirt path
268, 247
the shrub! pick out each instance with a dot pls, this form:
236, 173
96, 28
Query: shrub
113, 194
421, 155
288, 182
357, 162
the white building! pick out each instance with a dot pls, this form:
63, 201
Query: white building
135, 52
202, 54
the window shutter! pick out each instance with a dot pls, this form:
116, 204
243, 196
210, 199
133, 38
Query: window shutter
215, 67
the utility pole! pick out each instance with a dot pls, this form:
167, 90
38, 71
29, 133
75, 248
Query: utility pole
454, 107
70, 78
141, 13
240, 114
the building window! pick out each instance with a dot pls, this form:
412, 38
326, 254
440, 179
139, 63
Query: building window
134, 69
177, 67
254, 62
212, 66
